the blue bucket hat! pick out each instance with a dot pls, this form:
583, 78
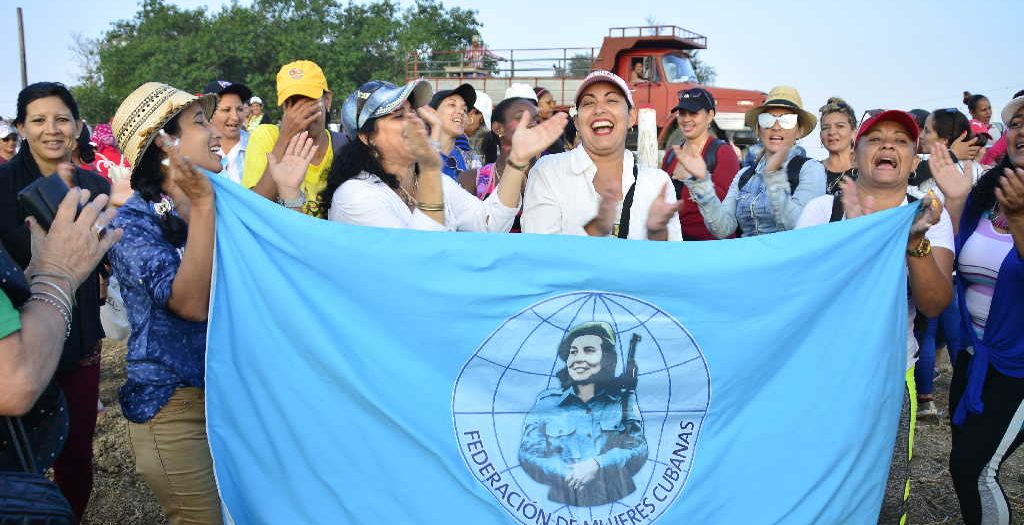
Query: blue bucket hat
378, 98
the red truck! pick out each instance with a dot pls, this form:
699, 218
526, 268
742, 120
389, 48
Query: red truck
664, 52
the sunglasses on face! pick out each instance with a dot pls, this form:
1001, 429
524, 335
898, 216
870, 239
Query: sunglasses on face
787, 121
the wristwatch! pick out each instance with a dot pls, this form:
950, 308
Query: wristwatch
296, 202
923, 248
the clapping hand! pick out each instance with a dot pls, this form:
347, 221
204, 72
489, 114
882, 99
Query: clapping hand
601, 225
776, 160
953, 183
289, 171
853, 206
426, 153
660, 213
528, 142
689, 163
1010, 194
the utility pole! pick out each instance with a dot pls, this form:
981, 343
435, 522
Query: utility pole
21, 44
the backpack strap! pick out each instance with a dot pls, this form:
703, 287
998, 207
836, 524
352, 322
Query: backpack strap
711, 154
627, 203
745, 176
793, 171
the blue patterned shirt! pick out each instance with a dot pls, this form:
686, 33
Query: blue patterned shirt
165, 352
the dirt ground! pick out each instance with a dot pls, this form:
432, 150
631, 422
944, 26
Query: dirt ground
121, 497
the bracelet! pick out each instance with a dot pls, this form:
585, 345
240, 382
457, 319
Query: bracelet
69, 299
297, 202
518, 167
430, 207
57, 305
71, 284
923, 248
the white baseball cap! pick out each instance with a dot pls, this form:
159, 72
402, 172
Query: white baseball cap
256, 100
521, 91
485, 106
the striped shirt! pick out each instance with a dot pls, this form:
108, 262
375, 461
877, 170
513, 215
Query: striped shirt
983, 254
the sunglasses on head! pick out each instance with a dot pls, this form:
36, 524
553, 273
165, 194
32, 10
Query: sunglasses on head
787, 121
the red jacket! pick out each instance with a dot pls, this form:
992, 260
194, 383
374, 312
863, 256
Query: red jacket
728, 164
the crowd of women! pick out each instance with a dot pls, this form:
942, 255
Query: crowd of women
454, 161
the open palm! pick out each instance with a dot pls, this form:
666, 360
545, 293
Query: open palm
289, 171
529, 142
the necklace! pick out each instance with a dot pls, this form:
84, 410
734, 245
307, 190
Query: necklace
404, 194
998, 220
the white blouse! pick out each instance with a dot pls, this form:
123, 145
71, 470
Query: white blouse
366, 200
560, 195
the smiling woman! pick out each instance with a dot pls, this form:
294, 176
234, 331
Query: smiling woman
598, 189
48, 120
769, 196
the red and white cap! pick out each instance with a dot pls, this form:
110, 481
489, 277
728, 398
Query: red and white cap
904, 119
601, 75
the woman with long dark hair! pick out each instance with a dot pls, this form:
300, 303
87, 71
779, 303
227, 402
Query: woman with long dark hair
987, 391
389, 174
49, 123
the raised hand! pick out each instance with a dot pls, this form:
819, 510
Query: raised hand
953, 183
73, 246
853, 205
660, 213
965, 148
289, 171
932, 212
776, 160
529, 142
690, 164
187, 182
299, 116
1010, 194
425, 152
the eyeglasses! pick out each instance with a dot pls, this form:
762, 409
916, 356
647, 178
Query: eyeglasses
787, 121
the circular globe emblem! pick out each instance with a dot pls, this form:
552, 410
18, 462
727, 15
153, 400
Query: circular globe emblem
584, 408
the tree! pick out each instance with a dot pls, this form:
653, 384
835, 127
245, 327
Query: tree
578, 66
705, 72
187, 48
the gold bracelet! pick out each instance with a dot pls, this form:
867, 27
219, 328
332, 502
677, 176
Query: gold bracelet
923, 248
518, 167
430, 207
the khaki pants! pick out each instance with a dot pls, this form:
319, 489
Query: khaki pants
173, 456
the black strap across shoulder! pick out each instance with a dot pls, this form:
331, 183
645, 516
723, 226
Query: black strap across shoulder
792, 173
627, 203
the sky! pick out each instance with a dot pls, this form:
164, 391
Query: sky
873, 53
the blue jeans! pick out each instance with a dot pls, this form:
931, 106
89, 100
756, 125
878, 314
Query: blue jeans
949, 321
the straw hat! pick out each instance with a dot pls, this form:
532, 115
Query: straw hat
784, 97
146, 111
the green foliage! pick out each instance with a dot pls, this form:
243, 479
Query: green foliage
186, 48
705, 72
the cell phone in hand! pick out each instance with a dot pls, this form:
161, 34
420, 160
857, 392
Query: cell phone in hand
43, 197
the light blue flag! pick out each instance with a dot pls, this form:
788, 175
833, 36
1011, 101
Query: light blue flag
371, 376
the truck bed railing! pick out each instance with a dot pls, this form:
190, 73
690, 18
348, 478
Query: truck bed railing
480, 62
699, 41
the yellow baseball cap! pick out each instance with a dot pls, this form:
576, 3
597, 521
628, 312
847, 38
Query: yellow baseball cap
301, 77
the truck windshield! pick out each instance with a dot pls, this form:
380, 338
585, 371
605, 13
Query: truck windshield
678, 68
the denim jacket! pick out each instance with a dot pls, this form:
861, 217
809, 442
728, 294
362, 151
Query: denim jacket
562, 430
763, 205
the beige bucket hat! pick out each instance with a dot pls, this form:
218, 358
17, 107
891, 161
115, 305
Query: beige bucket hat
785, 97
147, 110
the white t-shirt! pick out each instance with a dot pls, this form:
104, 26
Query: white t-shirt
819, 211
367, 201
560, 195
234, 160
